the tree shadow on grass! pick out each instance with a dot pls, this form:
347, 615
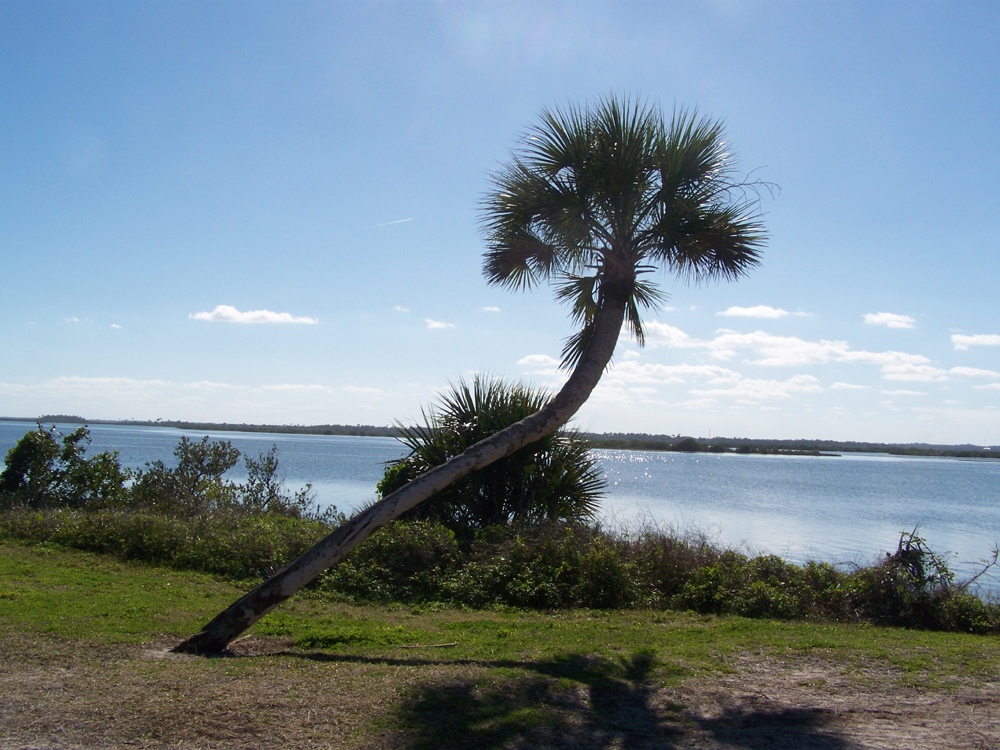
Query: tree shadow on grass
586, 702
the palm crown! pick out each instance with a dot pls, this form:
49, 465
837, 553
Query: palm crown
597, 198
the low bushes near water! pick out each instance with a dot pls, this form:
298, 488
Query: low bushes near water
40, 474
545, 567
187, 516
564, 565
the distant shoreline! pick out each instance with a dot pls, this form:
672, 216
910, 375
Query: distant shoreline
605, 440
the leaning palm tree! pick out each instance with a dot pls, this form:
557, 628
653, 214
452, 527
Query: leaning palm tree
595, 200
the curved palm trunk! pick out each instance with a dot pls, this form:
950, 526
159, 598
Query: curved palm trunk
244, 612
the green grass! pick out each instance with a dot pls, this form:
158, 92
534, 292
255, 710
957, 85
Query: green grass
86, 596
76, 627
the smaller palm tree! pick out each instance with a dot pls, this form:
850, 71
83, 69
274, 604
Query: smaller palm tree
552, 479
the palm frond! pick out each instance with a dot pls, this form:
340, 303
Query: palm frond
596, 195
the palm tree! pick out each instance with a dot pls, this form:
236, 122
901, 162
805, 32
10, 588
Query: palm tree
595, 199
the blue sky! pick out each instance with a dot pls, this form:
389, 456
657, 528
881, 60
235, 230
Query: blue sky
267, 212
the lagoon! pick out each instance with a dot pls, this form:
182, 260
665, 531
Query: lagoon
836, 509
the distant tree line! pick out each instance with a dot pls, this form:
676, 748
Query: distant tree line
608, 440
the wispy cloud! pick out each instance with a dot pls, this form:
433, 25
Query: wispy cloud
889, 320
849, 387
904, 393
779, 351
983, 339
433, 324
974, 372
490, 309
299, 387
712, 382
751, 389
397, 308
74, 319
538, 360
229, 314
760, 311
115, 325
791, 351
389, 223
362, 390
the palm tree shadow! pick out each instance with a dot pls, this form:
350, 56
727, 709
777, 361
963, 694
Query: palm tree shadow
585, 702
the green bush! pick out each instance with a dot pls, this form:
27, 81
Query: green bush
553, 479
40, 474
405, 562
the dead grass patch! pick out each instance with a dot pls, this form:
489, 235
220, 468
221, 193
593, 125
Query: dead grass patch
63, 693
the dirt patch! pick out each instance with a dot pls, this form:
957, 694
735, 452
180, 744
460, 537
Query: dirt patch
844, 706
65, 694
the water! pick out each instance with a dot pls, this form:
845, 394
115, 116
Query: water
801, 507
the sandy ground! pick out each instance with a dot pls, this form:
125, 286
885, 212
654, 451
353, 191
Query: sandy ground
61, 694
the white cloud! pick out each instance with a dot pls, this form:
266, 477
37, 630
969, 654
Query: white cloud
990, 387
74, 319
698, 403
905, 393
229, 314
630, 379
362, 390
849, 387
397, 308
983, 339
490, 309
306, 387
890, 320
974, 372
538, 360
914, 372
760, 311
668, 308
663, 334
791, 351
389, 223
434, 324
639, 391
756, 390
115, 325
631, 371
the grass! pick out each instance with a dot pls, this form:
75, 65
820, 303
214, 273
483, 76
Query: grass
378, 676
86, 596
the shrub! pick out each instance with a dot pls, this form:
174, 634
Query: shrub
40, 474
195, 485
400, 562
913, 587
236, 545
552, 479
